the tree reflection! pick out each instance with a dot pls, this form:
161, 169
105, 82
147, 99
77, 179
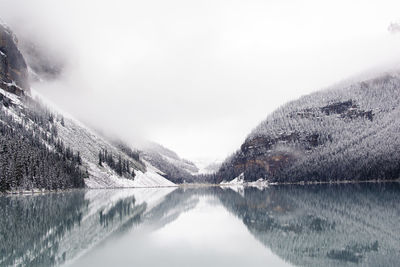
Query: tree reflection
32, 226
323, 225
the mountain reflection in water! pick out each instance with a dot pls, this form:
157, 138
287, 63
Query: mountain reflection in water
322, 225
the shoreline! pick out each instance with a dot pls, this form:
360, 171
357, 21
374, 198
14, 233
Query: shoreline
45, 191
198, 185
266, 184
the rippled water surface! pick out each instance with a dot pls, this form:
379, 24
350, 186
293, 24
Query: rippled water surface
345, 225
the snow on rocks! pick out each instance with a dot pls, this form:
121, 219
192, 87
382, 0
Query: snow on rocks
239, 181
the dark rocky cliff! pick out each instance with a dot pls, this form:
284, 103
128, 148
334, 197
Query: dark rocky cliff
13, 68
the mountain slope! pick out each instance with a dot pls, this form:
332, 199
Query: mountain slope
43, 149
174, 168
343, 133
30, 154
82, 139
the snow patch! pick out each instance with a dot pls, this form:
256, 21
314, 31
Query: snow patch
14, 98
239, 181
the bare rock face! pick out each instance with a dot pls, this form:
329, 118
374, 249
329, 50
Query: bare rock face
13, 68
264, 156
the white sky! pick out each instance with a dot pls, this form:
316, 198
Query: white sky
198, 76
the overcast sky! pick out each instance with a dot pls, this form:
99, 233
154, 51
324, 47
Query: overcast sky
198, 76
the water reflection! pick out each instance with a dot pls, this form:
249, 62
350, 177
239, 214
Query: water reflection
31, 227
324, 225
302, 225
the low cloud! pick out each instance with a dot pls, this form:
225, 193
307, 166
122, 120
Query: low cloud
394, 27
196, 76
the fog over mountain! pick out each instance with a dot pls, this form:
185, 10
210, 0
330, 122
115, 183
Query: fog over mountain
394, 27
195, 76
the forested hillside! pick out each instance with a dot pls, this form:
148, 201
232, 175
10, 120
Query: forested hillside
31, 154
343, 133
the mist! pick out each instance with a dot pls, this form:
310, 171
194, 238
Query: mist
198, 76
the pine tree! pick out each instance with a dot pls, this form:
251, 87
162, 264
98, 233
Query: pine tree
119, 166
100, 158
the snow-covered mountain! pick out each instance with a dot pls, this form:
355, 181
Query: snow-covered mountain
175, 168
348, 132
67, 143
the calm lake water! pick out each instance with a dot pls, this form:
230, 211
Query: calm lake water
345, 225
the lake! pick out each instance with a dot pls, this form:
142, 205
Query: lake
320, 225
